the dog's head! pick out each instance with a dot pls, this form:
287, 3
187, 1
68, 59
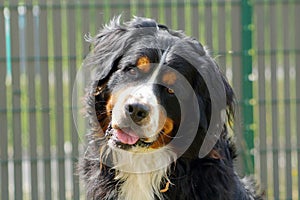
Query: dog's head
154, 87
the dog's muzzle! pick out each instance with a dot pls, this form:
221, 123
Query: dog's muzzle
136, 115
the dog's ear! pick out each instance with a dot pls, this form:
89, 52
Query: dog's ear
215, 90
108, 47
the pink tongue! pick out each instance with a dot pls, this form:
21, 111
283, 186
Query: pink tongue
126, 138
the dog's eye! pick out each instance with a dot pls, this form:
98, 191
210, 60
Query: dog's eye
170, 91
132, 71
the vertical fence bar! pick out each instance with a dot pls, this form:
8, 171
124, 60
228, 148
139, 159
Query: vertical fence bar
174, 12
287, 114
247, 90
168, 12
71, 18
59, 104
22, 11
16, 21
106, 11
154, 8
236, 77
133, 8
187, 17
222, 35
99, 17
43, 33
93, 4
37, 65
180, 15
31, 80
85, 28
274, 94
208, 24
4, 17
195, 18
161, 9
260, 38
297, 65
147, 8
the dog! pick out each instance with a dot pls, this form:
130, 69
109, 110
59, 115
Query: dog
159, 109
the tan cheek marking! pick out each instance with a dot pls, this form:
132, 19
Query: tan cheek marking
143, 64
168, 127
165, 137
169, 78
109, 106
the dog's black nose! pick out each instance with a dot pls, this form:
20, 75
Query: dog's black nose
137, 111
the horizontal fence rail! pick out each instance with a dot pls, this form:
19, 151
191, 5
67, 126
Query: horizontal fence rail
256, 44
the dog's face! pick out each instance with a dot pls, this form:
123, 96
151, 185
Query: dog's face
143, 107
149, 83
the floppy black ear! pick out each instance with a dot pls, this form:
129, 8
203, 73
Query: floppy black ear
108, 47
217, 94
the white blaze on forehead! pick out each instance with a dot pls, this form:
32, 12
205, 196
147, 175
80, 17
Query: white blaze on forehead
142, 94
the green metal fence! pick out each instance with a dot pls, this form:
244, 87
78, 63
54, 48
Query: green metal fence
255, 42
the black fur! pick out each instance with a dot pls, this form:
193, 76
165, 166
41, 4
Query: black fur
115, 47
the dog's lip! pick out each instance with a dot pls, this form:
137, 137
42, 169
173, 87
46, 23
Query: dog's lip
126, 136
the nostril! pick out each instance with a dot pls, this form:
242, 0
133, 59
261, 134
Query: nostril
142, 113
137, 111
129, 108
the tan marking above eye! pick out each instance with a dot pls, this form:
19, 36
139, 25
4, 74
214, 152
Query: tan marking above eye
169, 78
143, 63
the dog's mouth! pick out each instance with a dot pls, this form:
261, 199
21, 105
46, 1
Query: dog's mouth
125, 138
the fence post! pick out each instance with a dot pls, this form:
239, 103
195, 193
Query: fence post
247, 92
4, 72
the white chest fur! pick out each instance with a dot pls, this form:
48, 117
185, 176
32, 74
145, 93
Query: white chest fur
140, 175
137, 186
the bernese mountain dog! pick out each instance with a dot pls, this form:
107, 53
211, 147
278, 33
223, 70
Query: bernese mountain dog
159, 110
